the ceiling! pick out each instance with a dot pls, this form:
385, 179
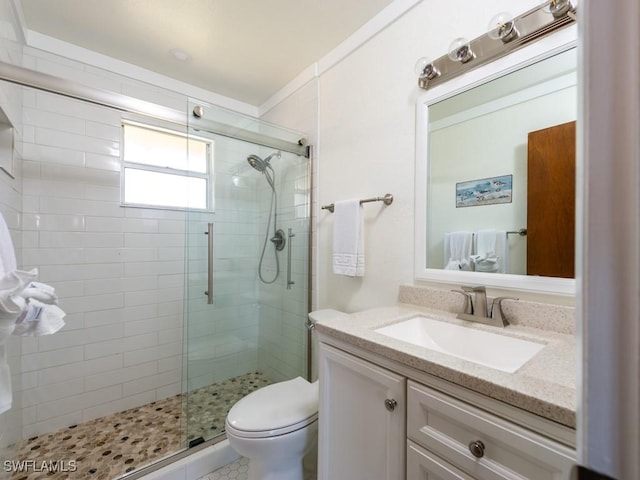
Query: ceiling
242, 49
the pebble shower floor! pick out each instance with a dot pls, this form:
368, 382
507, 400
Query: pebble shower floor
111, 446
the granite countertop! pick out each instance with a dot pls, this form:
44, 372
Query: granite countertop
545, 385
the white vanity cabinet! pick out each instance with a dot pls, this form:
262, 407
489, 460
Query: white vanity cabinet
445, 437
361, 430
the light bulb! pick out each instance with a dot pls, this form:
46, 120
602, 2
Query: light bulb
460, 50
502, 27
558, 8
425, 69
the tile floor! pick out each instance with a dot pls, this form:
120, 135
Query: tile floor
234, 471
111, 446
239, 469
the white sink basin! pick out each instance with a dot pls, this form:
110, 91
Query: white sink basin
485, 348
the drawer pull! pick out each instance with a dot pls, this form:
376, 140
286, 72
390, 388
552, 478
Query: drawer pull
390, 404
477, 449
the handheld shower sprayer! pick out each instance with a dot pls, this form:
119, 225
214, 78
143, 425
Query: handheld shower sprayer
278, 239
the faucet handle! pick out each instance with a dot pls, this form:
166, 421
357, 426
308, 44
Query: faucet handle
468, 302
496, 309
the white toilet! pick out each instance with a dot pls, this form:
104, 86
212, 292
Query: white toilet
276, 426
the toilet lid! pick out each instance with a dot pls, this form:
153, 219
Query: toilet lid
275, 409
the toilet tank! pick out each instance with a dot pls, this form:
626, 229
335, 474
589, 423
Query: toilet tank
319, 316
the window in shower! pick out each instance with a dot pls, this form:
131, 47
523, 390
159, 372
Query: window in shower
162, 168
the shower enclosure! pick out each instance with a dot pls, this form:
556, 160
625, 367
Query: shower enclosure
173, 312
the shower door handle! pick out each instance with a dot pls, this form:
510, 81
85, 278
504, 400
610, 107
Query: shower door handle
209, 292
289, 281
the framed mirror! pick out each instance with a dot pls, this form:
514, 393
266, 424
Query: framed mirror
495, 172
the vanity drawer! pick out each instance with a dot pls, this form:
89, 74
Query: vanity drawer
424, 465
447, 427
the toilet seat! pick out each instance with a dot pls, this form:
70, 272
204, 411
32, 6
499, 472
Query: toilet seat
274, 410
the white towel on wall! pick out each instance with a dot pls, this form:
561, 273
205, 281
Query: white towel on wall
7, 253
491, 251
348, 238
457, 250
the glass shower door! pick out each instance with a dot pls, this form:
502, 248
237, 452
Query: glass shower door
246, 285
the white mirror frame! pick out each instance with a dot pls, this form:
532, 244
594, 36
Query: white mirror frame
541, 49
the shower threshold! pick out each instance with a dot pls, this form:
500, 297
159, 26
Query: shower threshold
115, 445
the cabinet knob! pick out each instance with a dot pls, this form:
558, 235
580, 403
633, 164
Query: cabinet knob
390, 404
477, 449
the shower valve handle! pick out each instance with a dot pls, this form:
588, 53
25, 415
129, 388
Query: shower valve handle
278, 240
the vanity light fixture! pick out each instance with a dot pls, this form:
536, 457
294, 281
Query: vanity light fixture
426, 71
513, 33
460, 50
502, 27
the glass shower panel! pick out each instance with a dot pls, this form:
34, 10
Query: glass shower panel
247, 332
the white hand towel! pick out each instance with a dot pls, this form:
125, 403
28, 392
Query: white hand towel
491, 251
348, 238
11, 284
39, 319
457, 250
41, 292
7, 253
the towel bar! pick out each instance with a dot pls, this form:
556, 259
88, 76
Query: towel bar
387, 199
522, 232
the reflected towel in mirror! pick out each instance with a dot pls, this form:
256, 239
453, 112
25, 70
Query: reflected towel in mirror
491, 251
457, 250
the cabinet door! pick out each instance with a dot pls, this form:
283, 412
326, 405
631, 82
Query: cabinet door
361, 430
424, 465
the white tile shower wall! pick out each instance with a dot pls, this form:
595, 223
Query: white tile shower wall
11, 208
119, 271
283, 311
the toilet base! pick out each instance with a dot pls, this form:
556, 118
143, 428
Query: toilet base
284, 457
304, 470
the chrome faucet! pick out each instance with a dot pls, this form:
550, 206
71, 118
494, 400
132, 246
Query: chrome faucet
476, 307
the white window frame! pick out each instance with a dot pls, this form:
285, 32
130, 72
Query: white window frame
207, 176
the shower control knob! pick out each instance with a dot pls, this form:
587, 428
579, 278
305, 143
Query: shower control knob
477, 449
390, 404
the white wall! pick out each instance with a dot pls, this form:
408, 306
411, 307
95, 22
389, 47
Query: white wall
367, 138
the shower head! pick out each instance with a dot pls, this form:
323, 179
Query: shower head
260, 164
256, 162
